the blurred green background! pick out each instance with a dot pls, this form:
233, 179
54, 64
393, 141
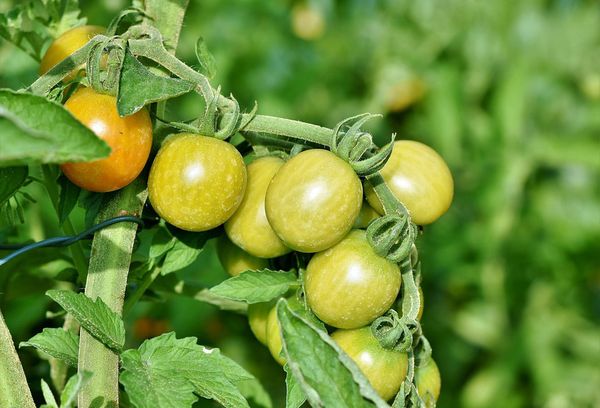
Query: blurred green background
507, 91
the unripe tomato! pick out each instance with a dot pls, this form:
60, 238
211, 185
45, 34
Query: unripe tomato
248, 227
307, 21
421, 305
258, 316
313, 200
130, 139
274, 341
419, 178
348, 286
235, 260
385, 369
196, 182
67, 44
365, 216
429, 383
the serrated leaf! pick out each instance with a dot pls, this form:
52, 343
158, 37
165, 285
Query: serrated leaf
139, 87
294, 396
56, 342
94, 316
69, 194
11, 179
68, 397
327, 376
48, 396
256, 286
178, 257
26, 138
166, 372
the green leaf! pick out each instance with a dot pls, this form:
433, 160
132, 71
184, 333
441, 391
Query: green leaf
327, 376
294, 396
138, 87
56, 342
256, 286
11, 179
68, 397
48, 396
69, 194
35, 130
94, 316
162, 241
178, 257
166, 372
208, 65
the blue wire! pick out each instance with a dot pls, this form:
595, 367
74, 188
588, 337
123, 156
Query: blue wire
66, 240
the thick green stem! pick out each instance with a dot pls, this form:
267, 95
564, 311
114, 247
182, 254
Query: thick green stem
294, 129
107, 278
14, 391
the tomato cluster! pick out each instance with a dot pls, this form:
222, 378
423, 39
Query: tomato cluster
313, 203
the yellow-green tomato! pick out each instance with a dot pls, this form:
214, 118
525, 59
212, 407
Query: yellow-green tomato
313, 201
274, 342
429, 383
196, 183
349, 285
421, 304
248, 227
385, 369
258, 315
67, 44
235, 260
365, 216
419, 178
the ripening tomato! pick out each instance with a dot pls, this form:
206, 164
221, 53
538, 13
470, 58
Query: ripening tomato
258, 317
248, 227
421, 305
365, 216
196, 182
67, 44
235, 260
130, 139
429, 383
385, 369
349, 285
313, 200
419, 178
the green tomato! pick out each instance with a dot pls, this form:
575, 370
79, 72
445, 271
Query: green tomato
258, 315
419, 178
249, 228
429, 383
385, 369
365, 216
349, 285
421, 304
196, 183
274, 342
313, 200
235, 260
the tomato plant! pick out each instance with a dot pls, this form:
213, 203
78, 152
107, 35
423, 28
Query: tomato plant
196, 182
130, 139
248, 227
258, 318
429, 383
419, 178
313, 200
349, 285
235, 260
385, 369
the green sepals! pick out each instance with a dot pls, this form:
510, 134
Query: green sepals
56, 342
392, 236
170, 372
256, 286
26, 138
328, 376
138, 86
94, 316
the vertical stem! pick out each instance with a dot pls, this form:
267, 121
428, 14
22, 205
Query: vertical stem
107, 278
14, 391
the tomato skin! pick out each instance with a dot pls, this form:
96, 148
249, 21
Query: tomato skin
365, 216
385, 369
274, 342
249, 227
418, 177
429, 382
130, 139
349, 285
67, 44
235, 260
258, 317
313, 200
196, 182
